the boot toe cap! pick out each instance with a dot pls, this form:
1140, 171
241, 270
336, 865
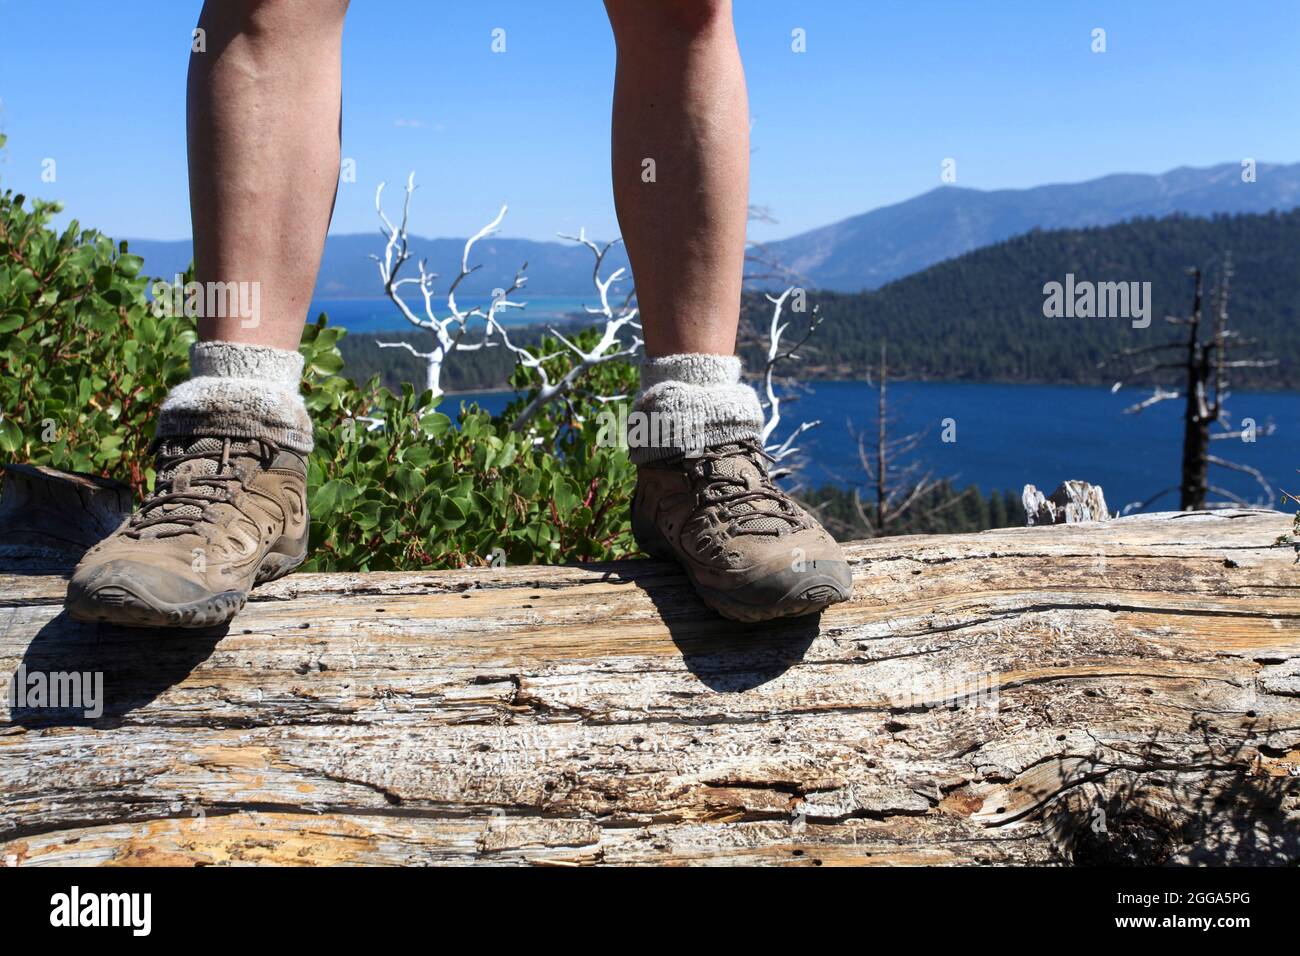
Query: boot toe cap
809, 588
123, 589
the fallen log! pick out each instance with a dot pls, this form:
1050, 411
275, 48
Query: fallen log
50, 517
1123, 692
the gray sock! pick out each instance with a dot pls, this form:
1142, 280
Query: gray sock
689, 402
239, 391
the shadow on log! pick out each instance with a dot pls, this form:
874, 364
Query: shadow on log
1122, 692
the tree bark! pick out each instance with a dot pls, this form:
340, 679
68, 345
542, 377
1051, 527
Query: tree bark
49, 517
1196, 464
1196, 424
882, 459
1124, 692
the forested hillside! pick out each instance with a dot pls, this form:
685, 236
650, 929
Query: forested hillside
979, 317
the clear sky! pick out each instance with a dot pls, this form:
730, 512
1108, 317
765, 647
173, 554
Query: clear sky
886, 90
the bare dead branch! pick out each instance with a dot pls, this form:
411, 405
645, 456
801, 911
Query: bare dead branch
447, 332
1160, 395
775, 357
1247, 470
608, 348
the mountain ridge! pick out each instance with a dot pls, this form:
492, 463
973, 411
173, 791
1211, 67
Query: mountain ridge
866, 251
860, 252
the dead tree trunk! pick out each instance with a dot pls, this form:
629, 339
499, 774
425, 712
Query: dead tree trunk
1120, 692
1196, 424
882, 457
897, 488
1205, 369
51, 517
1196, 450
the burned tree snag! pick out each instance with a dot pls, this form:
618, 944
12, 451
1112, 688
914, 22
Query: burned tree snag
1204, 370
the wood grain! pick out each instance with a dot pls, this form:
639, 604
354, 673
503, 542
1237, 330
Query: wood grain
1119, 692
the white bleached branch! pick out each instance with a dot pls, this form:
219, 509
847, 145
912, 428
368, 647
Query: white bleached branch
608, 348
448, 331
772, 402
1159, 395
1245, 470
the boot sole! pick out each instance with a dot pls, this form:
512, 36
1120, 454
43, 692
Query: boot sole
808, 592
120, 605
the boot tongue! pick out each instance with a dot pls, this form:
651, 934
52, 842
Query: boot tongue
738, 467
743, 473
194, 466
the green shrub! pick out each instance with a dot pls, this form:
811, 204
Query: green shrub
421, 492
87, 363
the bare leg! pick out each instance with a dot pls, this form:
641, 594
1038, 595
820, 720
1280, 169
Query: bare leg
263, 122
263, 112
680, 101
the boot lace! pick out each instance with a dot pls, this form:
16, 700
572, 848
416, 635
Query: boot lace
171, 510
726, 494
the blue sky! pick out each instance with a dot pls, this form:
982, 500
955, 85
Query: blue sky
885, 92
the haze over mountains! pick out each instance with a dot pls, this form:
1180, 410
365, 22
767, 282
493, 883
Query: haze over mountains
554, 268
862, 252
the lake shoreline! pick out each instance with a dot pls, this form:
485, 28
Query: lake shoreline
1002, 436
496, 390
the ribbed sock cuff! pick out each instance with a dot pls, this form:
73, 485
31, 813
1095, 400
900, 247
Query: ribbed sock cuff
688, 403
240, 391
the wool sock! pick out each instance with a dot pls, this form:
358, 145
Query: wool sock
239, 391
690, 402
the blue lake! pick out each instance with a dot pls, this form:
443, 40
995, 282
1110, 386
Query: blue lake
1010, 435
378, 314
1006, 435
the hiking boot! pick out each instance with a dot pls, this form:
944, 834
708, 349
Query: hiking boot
752, 553
226, 514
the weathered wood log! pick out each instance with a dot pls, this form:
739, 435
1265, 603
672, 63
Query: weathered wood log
49, 518
1072, 502
1127, 691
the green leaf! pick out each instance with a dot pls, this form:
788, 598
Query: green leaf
26, 283
326, 363
409, 482
435, 424
451, 514
11, 436
366, 515
328, 496
129, 265
564, 494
